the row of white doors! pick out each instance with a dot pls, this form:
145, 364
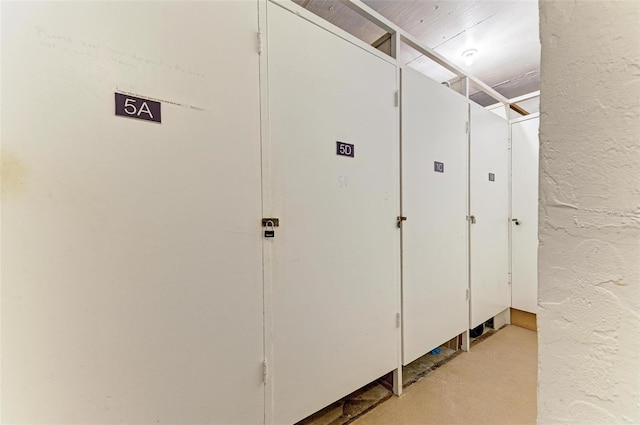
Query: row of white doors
455, 198
134, 257
335, 279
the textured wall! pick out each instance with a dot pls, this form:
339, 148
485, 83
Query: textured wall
589, 258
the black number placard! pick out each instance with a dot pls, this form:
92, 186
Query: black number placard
438, 167
345, 149
137, 107
492, 177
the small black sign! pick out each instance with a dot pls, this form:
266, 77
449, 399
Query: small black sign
345, 149
492, 177
136, 107
438, 167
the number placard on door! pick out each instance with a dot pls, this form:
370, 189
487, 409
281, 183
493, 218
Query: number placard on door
136, 107
345, 149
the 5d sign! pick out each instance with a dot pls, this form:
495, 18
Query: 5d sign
345, 149
136, 107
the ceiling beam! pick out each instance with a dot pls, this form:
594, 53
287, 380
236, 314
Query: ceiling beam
384, 23
525, 97
518, 109
371, 15
444, 62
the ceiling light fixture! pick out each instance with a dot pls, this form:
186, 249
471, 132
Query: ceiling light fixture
469, 56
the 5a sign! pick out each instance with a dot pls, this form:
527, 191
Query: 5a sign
136, 107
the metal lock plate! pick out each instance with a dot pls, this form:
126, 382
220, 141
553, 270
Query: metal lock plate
270, 224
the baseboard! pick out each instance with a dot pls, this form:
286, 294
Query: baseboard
524, 319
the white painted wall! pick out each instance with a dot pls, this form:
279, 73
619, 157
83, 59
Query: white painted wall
132, 250
589, 257
499, 110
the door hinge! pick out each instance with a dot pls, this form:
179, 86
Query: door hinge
397, 98
467, 295
264, 371
467, 127
259, 42
397, 320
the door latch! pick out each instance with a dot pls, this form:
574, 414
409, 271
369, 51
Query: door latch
516, 221
472, 219
400, 219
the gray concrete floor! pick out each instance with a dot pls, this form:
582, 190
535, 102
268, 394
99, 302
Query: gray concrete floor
368, 397
493, 384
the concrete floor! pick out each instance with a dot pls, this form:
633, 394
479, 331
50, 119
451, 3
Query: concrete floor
495, 383
357, 403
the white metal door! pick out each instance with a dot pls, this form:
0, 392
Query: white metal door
434, 200
335, 277
524, 210
489, 240
131, 250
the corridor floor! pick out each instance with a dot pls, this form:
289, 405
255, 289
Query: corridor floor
495, 383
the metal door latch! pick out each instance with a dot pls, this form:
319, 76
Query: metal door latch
516, 221
400, 219
472, 219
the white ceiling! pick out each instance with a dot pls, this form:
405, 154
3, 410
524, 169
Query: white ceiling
505, 34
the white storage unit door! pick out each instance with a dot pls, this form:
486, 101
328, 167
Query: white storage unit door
336, 253
434, 200
489, 197
524, 209
131, 249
